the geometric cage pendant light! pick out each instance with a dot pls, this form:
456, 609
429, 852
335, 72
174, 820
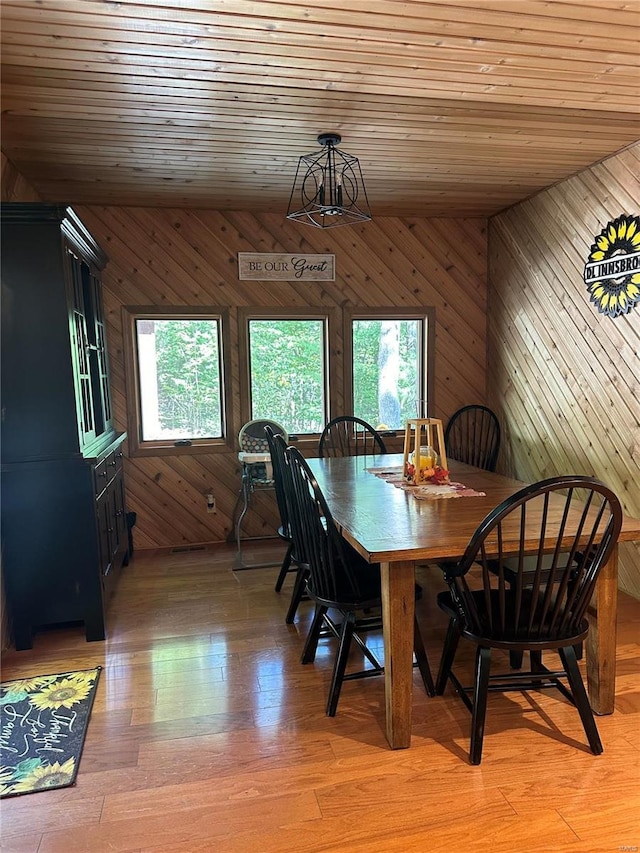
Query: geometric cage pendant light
328, 189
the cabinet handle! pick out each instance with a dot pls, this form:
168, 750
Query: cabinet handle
103, 474
119, 513
113, 464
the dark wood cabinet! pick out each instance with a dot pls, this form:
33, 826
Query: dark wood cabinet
64, 532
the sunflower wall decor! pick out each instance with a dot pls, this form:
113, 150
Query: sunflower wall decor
612, 272
43, 723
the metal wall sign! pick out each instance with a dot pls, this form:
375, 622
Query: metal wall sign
283, 267
612, 271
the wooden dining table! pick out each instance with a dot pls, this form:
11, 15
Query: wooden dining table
389, 526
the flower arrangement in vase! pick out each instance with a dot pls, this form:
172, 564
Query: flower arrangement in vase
425, 458
428, 470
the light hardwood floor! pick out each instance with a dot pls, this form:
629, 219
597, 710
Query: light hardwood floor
207, 734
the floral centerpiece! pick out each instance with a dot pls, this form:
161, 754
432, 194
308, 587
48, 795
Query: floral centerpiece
434, 475
425, 459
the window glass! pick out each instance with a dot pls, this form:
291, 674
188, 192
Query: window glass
287, 372
179, 378
387, 370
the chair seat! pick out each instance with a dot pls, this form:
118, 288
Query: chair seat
367, 579
510, 634
284, 534
261, 481
510, 568
343, 601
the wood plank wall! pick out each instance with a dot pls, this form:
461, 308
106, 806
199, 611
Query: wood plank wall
14, 186
564, 378
189, 257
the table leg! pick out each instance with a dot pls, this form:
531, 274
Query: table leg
398, 603
601, 642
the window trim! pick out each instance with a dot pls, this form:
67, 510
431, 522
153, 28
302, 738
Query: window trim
424, 313
331, 320
137, 447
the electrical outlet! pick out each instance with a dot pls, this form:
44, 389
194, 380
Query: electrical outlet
211, 503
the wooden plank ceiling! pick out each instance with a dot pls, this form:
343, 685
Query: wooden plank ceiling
454, 107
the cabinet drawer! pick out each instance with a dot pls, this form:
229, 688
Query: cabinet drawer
101, 476
114, 463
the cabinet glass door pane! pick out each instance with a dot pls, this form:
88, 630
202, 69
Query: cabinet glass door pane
80, 351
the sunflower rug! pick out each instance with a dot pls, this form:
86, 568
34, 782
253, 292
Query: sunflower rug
43, 723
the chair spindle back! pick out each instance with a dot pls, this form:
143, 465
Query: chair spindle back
315, 535
550, 602
473, 436
350, 436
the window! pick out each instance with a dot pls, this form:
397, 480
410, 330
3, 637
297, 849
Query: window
287, 368
291, 371
178, 378
387, 357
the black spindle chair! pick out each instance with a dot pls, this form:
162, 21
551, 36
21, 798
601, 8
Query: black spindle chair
339, 580
497, 605
291, 561
472, 435
284, 531
350, 436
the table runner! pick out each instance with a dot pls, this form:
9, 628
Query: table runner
424, 491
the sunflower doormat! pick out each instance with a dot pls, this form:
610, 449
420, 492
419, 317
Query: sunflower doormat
43, 723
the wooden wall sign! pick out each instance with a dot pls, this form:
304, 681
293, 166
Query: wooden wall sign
283, 267
612, 271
